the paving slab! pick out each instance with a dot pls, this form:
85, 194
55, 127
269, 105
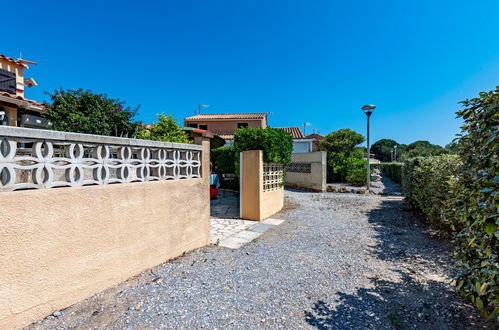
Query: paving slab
272, 221
260, 227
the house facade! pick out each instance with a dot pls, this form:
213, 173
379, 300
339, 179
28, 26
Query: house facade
15, 109
300, 142
225, 125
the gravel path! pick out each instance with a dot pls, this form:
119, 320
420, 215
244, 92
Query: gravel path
339, 261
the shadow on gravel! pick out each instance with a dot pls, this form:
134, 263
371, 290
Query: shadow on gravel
415, 296
389, 304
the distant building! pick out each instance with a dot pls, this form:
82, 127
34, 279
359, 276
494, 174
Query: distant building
316, 140
225, 125
15, 109
300, 142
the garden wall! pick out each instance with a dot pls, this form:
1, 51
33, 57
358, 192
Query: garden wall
308, 170
62, 245
262, 193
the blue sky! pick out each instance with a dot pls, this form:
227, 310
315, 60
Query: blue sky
315, 61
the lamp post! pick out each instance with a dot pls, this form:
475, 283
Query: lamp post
368, 109
395, 153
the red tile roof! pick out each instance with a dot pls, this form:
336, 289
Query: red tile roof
10, 59
295, 132
315, 136
18, 97
224, 116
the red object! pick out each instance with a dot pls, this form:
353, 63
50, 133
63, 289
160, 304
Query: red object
213, 193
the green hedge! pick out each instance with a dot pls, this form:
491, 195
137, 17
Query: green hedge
427, 183
392, 170
461, 194
477, 212
277, 144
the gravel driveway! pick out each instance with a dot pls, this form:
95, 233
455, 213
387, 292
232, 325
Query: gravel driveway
338, 261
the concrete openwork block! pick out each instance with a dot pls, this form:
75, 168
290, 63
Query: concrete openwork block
308, 170
60, 246
262, 193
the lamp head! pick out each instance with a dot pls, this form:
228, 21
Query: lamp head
368, 109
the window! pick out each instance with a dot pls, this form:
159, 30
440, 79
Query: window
241, 125
192, 125
7, 81
205, 127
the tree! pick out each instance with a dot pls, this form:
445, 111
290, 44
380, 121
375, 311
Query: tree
167, 129
342, 140
423, 149
343, 154
82, 111
383, 148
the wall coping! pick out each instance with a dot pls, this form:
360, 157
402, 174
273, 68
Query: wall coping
32, 133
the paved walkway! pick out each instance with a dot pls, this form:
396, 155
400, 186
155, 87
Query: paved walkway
235, 233
339, 261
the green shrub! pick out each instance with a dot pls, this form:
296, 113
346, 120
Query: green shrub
276, 144
357, 177
166, 129
392, 170
461, 193
428, 183
477, 212
343, 155
224, 160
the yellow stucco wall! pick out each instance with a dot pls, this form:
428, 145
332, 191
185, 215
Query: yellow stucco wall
59, 246
18, 70
257, 204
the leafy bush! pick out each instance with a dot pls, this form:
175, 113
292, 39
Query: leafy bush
427, 184
224, 160
276, 144
343, 155
357, 176
477, 213
461, 193
82, 111
166, 130
392, 170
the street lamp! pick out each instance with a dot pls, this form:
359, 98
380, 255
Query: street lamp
395, 153
368, 109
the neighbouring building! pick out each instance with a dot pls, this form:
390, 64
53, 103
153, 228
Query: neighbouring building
300, 142
225, 125
316, 140
15, 109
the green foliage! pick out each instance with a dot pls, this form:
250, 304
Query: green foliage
357, 176
166, 130
81, 111
343, 156
224, 160
461, 193
477, 211
393, 170
343, 140
421, 149
277, 144
427, 183
383, 148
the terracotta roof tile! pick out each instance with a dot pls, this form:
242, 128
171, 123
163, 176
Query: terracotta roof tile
18, 97
228, 116
10, 59
315, 136
295, 132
